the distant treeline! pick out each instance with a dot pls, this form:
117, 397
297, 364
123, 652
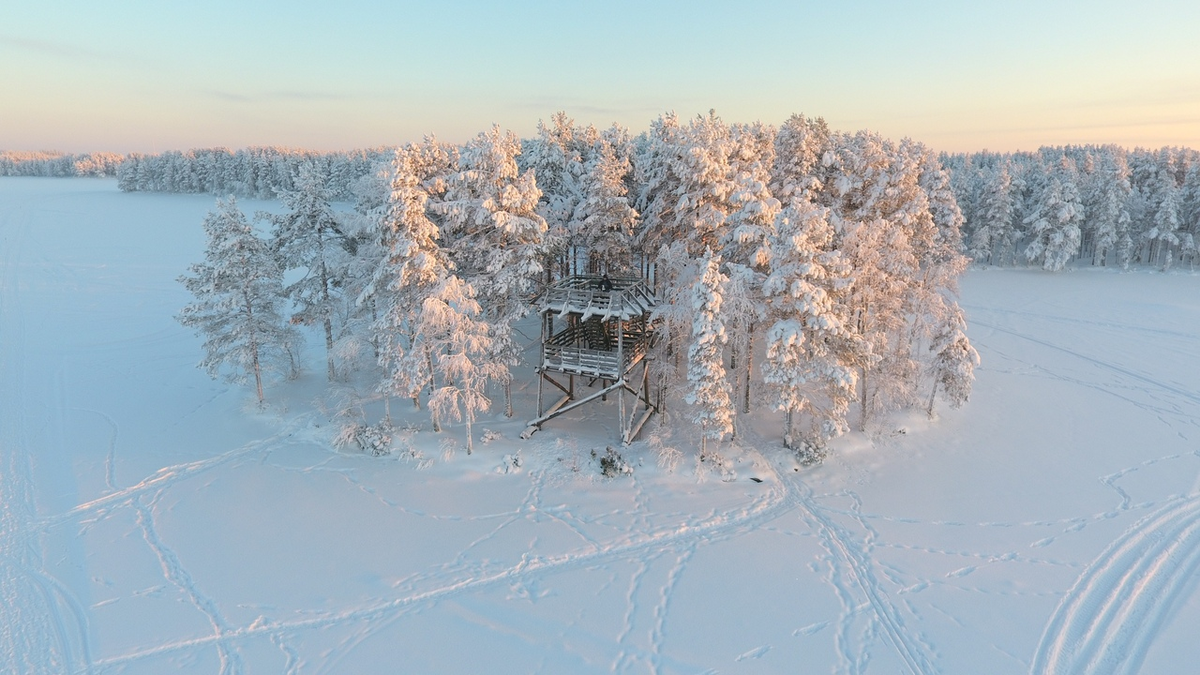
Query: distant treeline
1103, 205
59, 165
259, 172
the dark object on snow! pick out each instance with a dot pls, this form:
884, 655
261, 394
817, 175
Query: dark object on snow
605, 284
756, 480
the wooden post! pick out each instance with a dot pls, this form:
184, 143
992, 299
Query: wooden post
621, 380
547, 321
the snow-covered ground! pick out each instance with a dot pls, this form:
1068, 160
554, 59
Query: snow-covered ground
151, 520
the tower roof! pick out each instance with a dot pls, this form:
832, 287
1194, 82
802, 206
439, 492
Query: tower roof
590, 296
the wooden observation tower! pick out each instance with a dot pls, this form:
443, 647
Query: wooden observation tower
597, 329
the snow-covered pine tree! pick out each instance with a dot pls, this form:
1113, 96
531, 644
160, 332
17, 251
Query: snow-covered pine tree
604, 221
238, 290
876, 205
993, 232
366, 231
800, 146
708, 390
496, 238
688, 215
1109, 213
809, 346
1054, 224
1189, 213
937, 248
1163, 236
745, 245
954, 360
308, 237
412, 270
558, 157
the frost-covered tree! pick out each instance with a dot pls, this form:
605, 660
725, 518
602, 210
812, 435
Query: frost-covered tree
238, 290
604, 221
496, 238
689, 202
559, 157
954, 361
412, 270
708, 390
1189, 213
1163, 236
1109, 212
745, 244
878, 207
432, 331
993, 233
463, 363
810, 348
366, 233
1054, 224
800, 147
308, 237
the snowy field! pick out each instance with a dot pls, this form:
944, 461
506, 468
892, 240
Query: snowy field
152, 521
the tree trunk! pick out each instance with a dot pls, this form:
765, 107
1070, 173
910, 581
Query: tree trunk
328, 323
862, 423
258, 377
329, 347
787, 429
254, 348
748, 364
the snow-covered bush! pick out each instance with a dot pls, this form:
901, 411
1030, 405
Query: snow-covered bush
612, 464
375, 439
809, 451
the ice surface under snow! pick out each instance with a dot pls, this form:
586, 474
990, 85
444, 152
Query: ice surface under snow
152, 521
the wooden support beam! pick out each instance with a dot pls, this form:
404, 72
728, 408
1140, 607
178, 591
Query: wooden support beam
554, 382
558, 408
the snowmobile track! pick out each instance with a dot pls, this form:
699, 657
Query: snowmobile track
1107, 621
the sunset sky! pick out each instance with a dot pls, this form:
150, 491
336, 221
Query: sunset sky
150, 75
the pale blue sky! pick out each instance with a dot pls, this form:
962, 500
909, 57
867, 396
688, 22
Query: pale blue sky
156, 75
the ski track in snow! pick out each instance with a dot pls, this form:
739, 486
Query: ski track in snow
168, 476
472, 579
43, 628
1107, 621
1109, 618
1191, 396
855, 563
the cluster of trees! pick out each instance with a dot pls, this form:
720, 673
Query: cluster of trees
59, 165
796, 268
259, 172
1101, 204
